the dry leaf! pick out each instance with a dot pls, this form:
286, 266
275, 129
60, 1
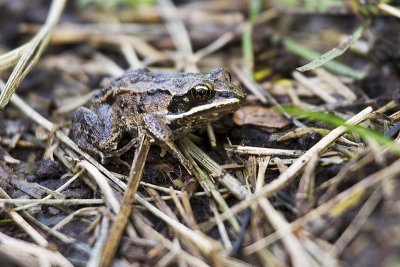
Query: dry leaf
259, 116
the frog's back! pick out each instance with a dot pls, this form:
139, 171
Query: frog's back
144, 81
123, 83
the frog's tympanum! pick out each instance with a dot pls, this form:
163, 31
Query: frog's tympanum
166, 105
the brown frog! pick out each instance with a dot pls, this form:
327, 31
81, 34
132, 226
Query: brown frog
166, 105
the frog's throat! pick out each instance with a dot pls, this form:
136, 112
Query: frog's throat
218, 106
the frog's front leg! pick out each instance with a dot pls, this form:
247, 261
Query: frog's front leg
158, 129
96, 131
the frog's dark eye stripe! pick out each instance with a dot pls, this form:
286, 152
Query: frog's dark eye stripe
202, 92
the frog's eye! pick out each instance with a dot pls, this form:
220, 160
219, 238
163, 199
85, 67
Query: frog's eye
202, 92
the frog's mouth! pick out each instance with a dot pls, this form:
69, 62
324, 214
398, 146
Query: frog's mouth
212, 110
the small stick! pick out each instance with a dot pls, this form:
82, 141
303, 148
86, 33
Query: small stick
391, 10
60, 189
286, 177
330, 207
53, 201
211, 136
121, 220
314, 88
227, 180
30, 56
101, 240
38, 238
206, 244
178, 33
263, 151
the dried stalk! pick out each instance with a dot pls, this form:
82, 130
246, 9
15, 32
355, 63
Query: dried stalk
45, 255
122, 218
32, 52
286, 177
262, 151
36, 236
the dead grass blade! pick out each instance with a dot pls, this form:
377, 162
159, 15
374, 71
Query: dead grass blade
178, 33
314, 88
20, 221
11, 58
391, 10
46, 256
335, 52
122, 218
153, 234
299, 256
359, 220
207, 245
337, 205
97, 251
210, 165
263, 151
32, 52
287, 176
60, 189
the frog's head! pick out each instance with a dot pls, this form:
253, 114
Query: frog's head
206, 99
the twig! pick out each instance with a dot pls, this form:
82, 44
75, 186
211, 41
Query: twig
358, 221
314, 88
333, 207
97, 251
210, 165
54, 201
262, 151
32, 52
38, 238
45, 255
60, 189
286, 177
178, 33
206, 244
121, 220
389, 9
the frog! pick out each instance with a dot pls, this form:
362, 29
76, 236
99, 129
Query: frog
166, 105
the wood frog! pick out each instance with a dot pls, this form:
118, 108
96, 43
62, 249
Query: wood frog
166, 105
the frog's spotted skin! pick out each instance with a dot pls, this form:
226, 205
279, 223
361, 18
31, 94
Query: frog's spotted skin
167, 105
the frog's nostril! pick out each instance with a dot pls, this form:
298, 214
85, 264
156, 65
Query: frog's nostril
226, 94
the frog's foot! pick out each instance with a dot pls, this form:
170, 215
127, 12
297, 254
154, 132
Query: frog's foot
158, 129
91, 149
119, 152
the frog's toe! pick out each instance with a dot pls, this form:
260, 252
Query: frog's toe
120, 151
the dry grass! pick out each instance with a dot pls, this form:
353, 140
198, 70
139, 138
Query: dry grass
246, 220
